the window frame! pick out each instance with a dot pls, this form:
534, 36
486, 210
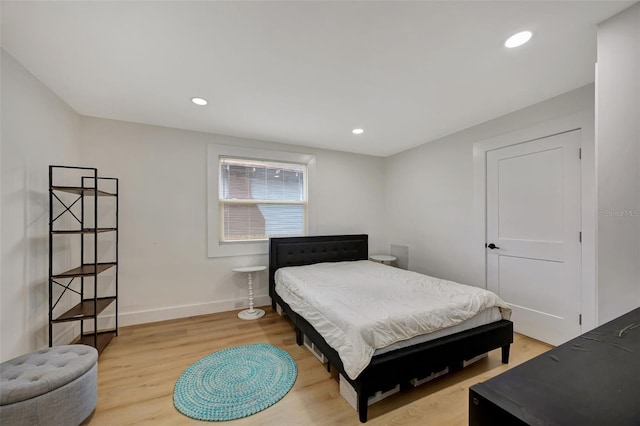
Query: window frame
215, 246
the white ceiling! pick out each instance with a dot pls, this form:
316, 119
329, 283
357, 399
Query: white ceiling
307, 72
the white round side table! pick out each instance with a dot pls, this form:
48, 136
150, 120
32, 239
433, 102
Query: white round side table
383, 258
251, 313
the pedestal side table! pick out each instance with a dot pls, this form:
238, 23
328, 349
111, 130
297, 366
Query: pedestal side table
251, 313
383, 258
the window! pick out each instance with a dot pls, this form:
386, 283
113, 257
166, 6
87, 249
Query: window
261, 199
254, 194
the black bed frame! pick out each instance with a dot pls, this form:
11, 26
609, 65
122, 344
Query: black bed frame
392, 368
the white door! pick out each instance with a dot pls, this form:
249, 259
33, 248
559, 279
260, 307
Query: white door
533, 220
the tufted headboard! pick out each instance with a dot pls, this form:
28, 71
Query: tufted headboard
297, 251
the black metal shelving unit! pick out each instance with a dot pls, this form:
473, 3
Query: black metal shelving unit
80, 210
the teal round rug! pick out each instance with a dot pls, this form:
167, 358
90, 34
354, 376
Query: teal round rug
235, 382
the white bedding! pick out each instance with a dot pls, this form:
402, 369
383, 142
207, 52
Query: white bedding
358, 307
486, 316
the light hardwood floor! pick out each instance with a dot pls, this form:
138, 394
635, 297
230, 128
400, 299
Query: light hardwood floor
137, 372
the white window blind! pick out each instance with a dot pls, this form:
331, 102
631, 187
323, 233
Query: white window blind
261, 199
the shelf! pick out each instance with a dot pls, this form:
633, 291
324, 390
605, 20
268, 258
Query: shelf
82, 191
104, 337
82, 231
84, 309
96, 224
85, 270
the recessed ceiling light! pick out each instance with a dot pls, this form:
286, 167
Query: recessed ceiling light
518, 39
357, 131
199, 101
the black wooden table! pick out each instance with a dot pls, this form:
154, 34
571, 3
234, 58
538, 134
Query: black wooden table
593, 379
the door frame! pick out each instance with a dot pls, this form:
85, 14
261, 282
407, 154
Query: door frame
583, 121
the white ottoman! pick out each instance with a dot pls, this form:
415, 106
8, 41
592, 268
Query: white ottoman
54, 386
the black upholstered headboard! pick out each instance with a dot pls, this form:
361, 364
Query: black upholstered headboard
297, 251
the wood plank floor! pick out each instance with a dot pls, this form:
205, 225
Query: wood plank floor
137, 372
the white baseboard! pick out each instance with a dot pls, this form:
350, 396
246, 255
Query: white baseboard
173, 312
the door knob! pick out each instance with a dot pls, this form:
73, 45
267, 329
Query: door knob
491, 246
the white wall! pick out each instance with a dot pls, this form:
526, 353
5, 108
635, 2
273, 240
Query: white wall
429, 189
422, 198
164, 269
38, 129
618, 163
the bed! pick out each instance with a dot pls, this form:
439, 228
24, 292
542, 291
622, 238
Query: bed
395, 367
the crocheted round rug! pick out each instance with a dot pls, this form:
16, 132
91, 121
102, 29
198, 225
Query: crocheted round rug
235, 382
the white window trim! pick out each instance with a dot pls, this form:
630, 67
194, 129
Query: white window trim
216, 248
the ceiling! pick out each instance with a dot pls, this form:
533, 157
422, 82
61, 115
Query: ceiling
307, 72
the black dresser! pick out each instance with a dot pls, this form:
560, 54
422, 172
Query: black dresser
593, 379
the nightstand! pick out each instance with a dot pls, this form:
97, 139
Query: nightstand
383, 258
251, 313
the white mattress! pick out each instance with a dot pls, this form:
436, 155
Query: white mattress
361, 307
486, 316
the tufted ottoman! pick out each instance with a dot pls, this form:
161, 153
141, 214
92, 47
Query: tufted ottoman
54, 386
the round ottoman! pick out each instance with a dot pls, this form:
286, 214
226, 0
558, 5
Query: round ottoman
54, 386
